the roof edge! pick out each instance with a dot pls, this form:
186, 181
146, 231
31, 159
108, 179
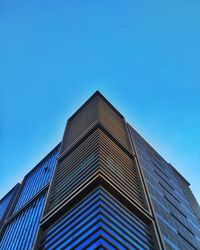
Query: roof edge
97, 93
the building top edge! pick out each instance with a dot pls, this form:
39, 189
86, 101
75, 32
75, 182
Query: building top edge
31, 171
97, 93
180, 175
9, 192
45, 157
176, 171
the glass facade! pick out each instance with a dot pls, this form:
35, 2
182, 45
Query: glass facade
19, 232
177, 222
37, 179
103, 187
4, 203
22, 221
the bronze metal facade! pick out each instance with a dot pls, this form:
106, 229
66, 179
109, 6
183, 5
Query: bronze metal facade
96, 154
103, 187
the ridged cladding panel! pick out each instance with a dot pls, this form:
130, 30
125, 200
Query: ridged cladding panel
5, 202
190, 196
79, 124
37, 179
97, 110
98, 221
20, 232
177, 222
96, 154
113, 122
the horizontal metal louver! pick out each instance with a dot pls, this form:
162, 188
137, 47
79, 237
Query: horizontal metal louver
119, 168
99, 221
96, 109
115, 123
96, 154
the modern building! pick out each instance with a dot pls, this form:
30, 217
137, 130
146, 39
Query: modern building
102, 187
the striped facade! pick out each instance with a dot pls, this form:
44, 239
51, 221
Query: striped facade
6, 204
99, 220
22, 221
20, 231
97, 170
179, 226
37, 179
97, 154
102, 187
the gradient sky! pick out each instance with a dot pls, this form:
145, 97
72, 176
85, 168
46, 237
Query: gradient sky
144, 56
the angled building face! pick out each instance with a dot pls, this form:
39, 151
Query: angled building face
22, 215
103, 187
175, 208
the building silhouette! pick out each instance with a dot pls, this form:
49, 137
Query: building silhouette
102, 187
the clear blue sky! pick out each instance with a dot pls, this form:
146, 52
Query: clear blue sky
144, 56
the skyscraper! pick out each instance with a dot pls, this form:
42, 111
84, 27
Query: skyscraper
102, 187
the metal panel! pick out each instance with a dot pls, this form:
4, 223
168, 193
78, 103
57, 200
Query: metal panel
37, 179
177, 222
5, 202
97, 153
79, 123
190, 196
20, 232
97, 221
96, 109
113, 122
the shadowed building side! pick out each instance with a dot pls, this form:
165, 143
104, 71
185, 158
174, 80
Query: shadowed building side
102, 187
96, 153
